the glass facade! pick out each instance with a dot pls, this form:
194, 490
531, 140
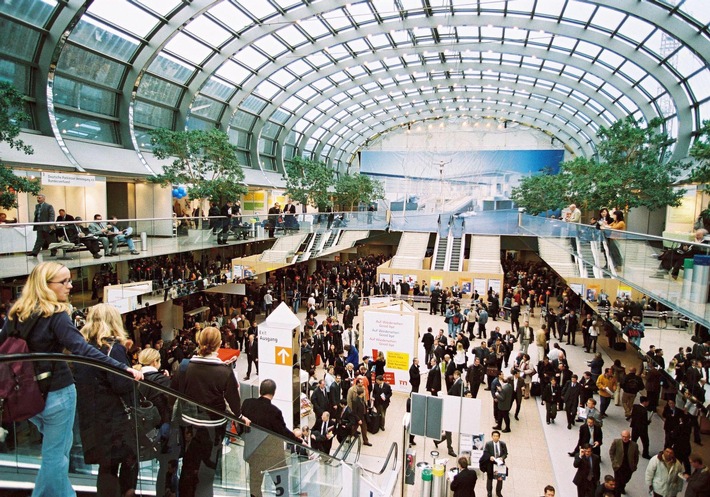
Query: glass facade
288, 77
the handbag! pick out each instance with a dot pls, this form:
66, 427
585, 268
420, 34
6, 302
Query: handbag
147, 419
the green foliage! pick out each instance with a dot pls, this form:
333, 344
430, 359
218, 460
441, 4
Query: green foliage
633, 170
353, 189
700, 151
541, 192
308, 181
11, 115
203, 160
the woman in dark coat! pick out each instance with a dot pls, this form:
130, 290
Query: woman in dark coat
107, 435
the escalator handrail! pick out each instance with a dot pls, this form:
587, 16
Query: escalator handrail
392, 452
121, 372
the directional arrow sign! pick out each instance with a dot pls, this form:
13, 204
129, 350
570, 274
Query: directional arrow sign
282, 355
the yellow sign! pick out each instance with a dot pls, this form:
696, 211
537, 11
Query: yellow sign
398, 360
282, 355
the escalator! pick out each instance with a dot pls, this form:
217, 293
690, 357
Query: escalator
143, 458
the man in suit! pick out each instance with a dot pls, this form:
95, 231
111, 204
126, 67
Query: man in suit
270, 453
44, 213
504, 398
464, 483
381, 395
323, 432
671, 417
415, 378
433, 381
591, 434
335, 394
624, 454
252, 347
428, 343
319, 399
493, 451
588, 471
449, 369
570, 398
273, 218
226, 212
105, 235
639, 424
359, 407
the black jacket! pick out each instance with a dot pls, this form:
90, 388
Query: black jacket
264, 414
463, 484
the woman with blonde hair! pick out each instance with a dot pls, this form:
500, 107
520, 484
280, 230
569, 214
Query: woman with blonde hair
42, 315
211, 382
107, 433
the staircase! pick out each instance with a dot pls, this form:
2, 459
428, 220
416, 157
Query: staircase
455, 261
411, 250
284, 248
484, 254
441, 252
556, 257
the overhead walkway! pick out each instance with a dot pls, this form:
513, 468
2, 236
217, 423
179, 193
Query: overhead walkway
411, 250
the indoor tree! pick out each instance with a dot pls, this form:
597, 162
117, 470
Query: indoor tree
308, 182
204, 161
353, 189
11, 117
632, 169
542, 192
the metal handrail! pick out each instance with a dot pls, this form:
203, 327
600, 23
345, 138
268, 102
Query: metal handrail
393, 451
166, 390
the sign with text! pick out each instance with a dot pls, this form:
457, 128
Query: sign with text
63, 179
394, 333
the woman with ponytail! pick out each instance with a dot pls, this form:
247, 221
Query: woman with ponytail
211, 382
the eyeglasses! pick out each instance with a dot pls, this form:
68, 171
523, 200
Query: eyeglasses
65, 282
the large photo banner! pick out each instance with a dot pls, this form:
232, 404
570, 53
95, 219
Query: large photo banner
394, 333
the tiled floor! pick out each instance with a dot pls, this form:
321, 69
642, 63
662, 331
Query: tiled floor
538, 452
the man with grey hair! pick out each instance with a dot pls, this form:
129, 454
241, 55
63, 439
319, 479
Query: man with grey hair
44, 213
573, 215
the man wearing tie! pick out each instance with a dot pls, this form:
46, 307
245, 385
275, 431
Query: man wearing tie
335, 394
589, 433
101, 231
570, 397
415, 378
588, 471
494, 451
44, 213
322, 433
319, 399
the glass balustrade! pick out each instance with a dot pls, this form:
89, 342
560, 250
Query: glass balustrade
117, 449
658, 267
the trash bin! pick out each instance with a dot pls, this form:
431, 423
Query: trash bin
426, 481
144, 241
438, 483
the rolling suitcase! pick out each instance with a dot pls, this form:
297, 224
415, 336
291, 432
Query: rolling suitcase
373, 421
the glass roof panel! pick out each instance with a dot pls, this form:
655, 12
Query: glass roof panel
579, 11
218, 89
337, 20
125, 15
18, 40
271, 46
238, 20
77, 62
607, 18
171, 68
148, 114
159, 90
260, 9
231, 71
267, 89
292, 104
697, 9
250, 57
313, 27
550, 7
292, 35
81, 126
95, 34
189, 48
162, 7
207, 108
31, 11
208, 31
701, 85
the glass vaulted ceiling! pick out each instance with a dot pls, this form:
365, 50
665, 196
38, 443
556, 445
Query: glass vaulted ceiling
321, 78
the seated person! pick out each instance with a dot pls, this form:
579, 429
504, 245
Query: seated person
75, 234
672, 259
5, 220
103, 231
123, 234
